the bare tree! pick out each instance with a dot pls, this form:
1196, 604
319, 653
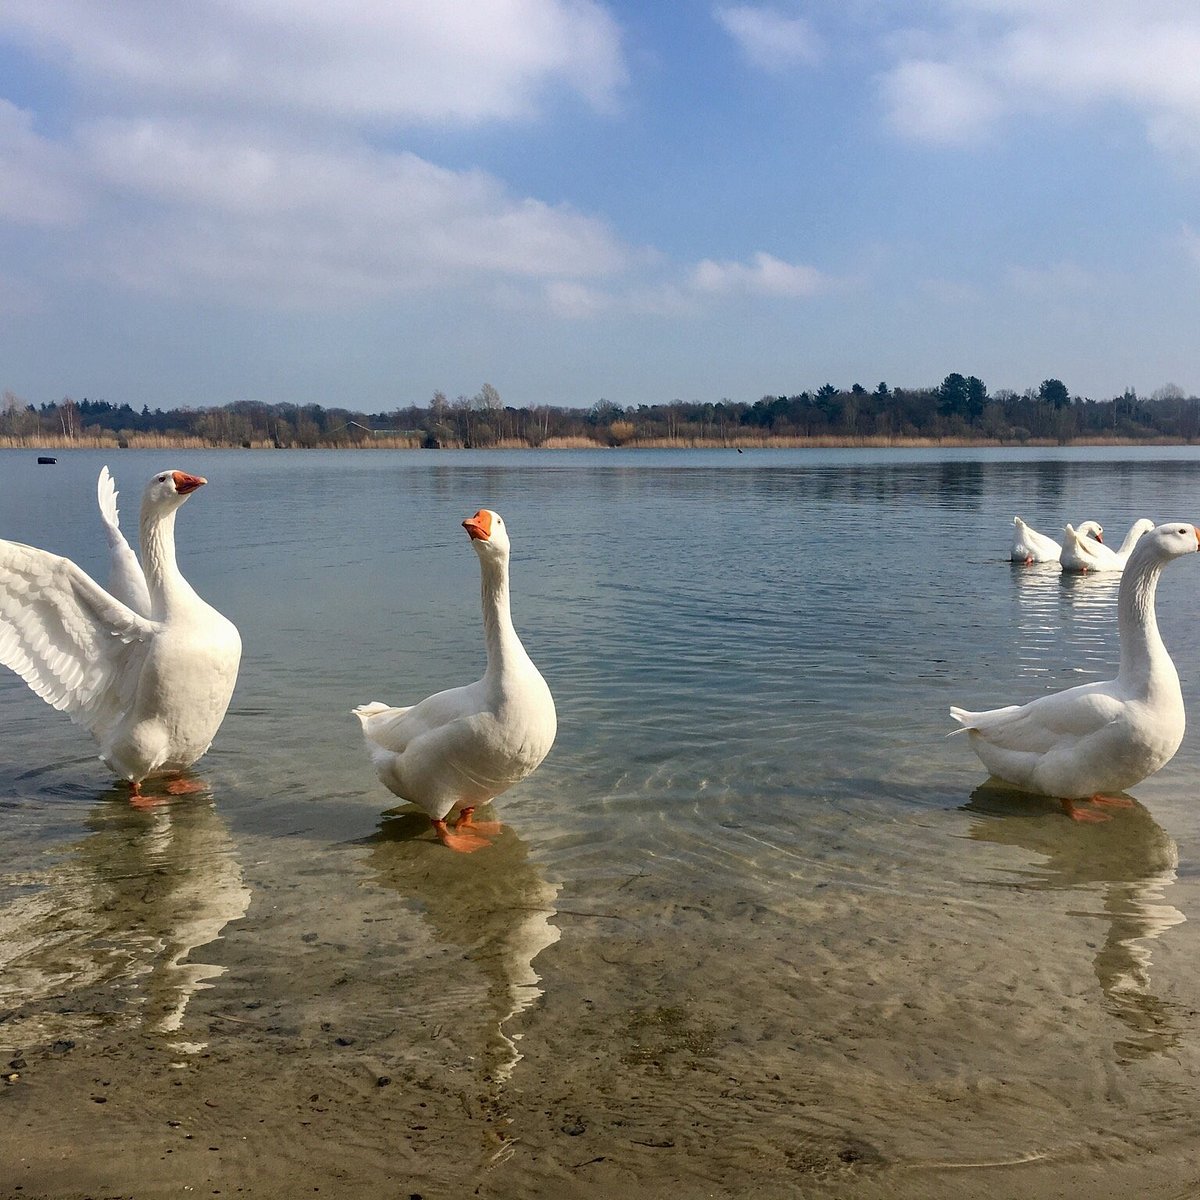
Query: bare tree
437, 407
68, 417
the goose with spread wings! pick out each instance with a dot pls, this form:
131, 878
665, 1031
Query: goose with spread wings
148, 671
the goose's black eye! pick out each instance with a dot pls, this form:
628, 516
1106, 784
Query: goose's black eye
162, 479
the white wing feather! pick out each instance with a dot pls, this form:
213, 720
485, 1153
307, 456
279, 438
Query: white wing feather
76, 646
1043, 723
126, 580
394, 729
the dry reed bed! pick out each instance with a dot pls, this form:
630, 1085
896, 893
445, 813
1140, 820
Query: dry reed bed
150, 441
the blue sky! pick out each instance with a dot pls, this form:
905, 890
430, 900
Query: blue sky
362, 203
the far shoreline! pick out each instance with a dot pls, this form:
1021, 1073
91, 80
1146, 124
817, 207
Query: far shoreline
159, 442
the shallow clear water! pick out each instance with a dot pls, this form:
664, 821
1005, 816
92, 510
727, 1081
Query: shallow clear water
754, 905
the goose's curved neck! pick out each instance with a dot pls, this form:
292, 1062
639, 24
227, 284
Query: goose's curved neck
1131, 540
504, 648
1145, 663
169, 591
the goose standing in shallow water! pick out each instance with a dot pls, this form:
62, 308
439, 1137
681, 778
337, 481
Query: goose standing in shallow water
1030, 546
152, 688
1080, 554
1098, 739
461, 748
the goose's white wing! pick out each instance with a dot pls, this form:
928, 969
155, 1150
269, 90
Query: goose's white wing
392, 729
126, 580
1029, 543
1084, 553
74, 644
1049, 721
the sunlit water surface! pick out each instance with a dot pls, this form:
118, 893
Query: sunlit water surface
754, 911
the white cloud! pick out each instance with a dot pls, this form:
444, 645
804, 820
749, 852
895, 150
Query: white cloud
1128, 52
939, 103
263, 219
769, 39
983, 60
239, 201
764, 275
400, 60
35, 174
270, 189
576, 301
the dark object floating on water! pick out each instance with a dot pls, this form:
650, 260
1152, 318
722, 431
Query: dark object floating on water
45, 461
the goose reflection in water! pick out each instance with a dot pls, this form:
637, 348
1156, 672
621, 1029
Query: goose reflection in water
496, 905
1065, 619
106, 933
1129, 861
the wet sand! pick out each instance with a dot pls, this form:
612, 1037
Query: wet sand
390, 1019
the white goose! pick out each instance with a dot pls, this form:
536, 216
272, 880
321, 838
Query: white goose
1030, 546
1099, 738
462, 747
151, 688
1080, 554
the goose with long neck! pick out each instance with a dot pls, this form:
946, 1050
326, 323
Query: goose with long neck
1081, 554
1029, 546
152, 687
170, 594
462, 747
1098, 739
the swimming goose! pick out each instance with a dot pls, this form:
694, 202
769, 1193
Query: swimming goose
152, 688
1081, 554
1029, 546
462, 747
1099, 738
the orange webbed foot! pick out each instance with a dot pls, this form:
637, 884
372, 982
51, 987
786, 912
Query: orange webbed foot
1083, 815
466, 821
184, 787
142, 802
1113, 801
464, 841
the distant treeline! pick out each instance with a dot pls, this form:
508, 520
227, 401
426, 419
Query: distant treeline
959, 409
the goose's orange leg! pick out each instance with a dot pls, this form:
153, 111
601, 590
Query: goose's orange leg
180, 786
1112, 801
141, 802
466, 820
1072, 809
465, 842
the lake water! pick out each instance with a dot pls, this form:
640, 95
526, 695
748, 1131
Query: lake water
753, 927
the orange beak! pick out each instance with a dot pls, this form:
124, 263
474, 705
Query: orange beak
479, 526
1198, 533
1100, 538
187, 483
